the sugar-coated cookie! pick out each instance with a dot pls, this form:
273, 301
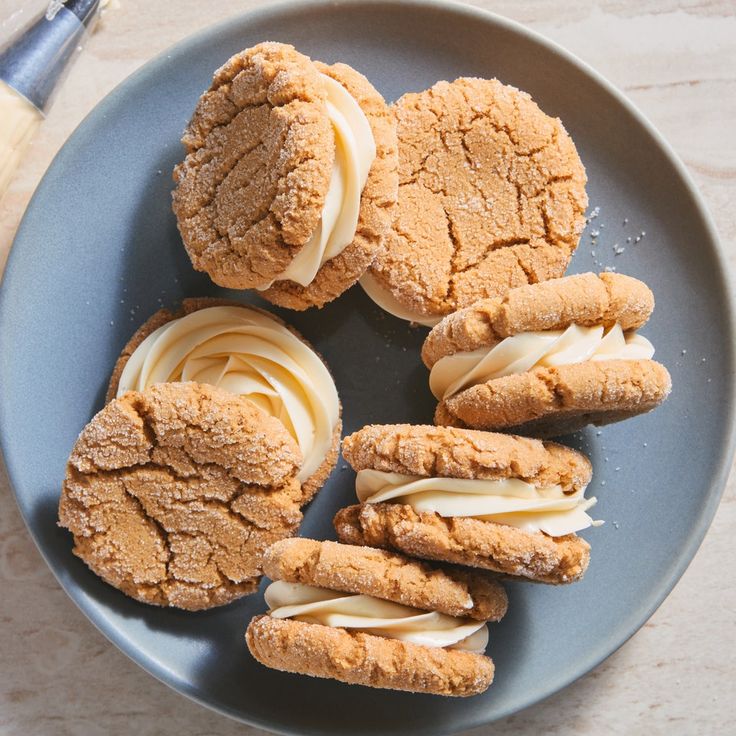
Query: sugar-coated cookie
452, 590
491, 197
364, 659
290, 176
174, 494
493, 501
547, 359
235, 346
374, 618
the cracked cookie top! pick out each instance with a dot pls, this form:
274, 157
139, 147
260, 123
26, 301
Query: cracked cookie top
238, 347
584, 299
491, 197
367, 571
174, 494
448, 452
377, 202
260, 152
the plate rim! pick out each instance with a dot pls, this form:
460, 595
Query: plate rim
273, 10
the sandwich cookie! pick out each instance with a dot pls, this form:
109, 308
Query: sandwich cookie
503, 503
248, 352
369, 617
290, 176
547, 359
491, 197
174, 494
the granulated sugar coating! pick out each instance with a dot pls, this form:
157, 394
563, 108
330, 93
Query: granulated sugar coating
174, 494
491, 196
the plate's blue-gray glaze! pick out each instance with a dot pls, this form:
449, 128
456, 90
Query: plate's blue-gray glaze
98, 251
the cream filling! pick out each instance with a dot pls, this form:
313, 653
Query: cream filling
374, 616
508, 501
355, 150
389, 303
248, 353
528, 350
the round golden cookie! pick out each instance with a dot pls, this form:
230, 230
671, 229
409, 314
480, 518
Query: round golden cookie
366, 571
377, 203
163, 316
585, 299
365, 659
491, 196
174, 494
465, 541
549, 402
446, 452
259, 155
460, 453
546, 402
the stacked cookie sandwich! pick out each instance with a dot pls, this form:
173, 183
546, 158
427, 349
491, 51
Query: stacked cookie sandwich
547, 359
369, 617
508, 504
290, 176
248, 352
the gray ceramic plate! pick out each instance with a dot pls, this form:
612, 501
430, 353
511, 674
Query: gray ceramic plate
98, 252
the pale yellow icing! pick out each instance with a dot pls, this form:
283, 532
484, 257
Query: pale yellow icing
249, 353
355, 150
389, 303
508, 501
528, 350
374, 616
19, 120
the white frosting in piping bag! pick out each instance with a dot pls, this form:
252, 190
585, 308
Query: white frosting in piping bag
528, 350
374, 616
508, 501
248, 353
355, 150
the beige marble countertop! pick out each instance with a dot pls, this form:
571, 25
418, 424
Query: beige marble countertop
677, 62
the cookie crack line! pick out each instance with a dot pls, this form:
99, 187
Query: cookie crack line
213, 201
494, 245
197, 504
225, 88
150, 432
223, 175
162, 533
157, 521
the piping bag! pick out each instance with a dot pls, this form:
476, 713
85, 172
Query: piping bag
32, 64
